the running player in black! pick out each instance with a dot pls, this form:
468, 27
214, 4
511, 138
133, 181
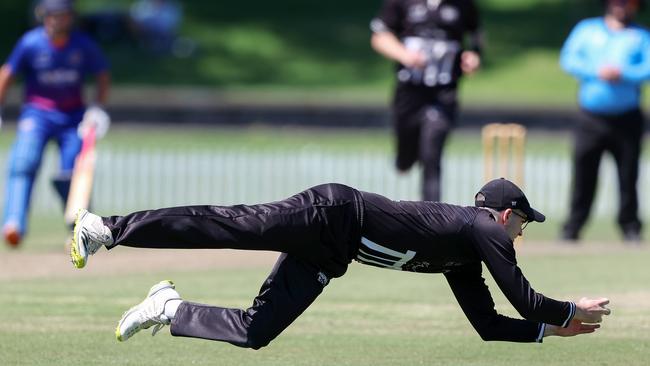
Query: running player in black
426, 39
319, 232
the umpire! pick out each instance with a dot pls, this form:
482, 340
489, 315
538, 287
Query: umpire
320, 231
610, 57
425, 38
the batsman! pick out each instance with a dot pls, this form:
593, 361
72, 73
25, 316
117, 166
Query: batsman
319, 232
54, 60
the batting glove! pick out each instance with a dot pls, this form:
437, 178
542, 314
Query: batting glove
96, 117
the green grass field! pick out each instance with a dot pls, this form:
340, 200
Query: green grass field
368, 317
301, 51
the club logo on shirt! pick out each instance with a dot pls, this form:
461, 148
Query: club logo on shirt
449, 13
42, 60
417, 13
75, 58
321, 277
26, 124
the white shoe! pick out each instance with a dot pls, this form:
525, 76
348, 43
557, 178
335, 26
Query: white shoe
88, 236
151, 311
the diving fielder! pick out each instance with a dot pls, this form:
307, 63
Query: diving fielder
319, 232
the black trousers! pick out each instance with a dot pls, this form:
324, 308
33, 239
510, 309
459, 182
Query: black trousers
620, 136
423, 118
318, 231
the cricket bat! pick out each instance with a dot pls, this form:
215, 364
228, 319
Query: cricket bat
81, 185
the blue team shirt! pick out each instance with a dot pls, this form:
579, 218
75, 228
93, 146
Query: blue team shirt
53, 75
592, 45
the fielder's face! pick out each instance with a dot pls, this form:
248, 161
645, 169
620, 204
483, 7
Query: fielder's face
514, 222
58, 23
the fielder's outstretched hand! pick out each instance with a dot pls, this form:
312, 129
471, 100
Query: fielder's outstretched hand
575, 327
591, 310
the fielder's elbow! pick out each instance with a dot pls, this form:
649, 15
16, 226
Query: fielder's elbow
527, 314
257, 339
257, 344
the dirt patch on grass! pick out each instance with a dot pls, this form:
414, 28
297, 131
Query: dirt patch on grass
31, 265
533, 248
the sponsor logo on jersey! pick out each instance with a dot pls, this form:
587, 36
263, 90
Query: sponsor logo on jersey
413, 266
449, 13
58, 77
322, 278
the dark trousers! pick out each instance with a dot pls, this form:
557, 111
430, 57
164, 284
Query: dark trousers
318, 231
423, 117
620, 136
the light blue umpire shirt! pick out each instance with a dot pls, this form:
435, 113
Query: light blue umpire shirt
591, 46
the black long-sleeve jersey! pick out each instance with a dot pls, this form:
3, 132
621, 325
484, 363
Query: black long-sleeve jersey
433, 237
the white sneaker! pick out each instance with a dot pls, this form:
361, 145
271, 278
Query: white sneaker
88, 236
151, 311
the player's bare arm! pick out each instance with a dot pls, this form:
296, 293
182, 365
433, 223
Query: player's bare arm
103, 80
470, 62
388, 45
96, 116
5, 81
6, 77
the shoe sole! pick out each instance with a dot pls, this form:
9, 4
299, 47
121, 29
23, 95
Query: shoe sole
78, 259
154, 290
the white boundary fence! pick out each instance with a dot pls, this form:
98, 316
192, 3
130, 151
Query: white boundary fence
128, 180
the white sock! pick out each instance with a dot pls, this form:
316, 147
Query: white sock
170, 308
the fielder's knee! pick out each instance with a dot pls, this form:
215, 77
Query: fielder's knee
24, 166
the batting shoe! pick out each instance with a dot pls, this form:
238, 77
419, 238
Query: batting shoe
88, 236
150, 312
12, 235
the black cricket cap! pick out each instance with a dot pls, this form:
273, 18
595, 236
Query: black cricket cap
500, 194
